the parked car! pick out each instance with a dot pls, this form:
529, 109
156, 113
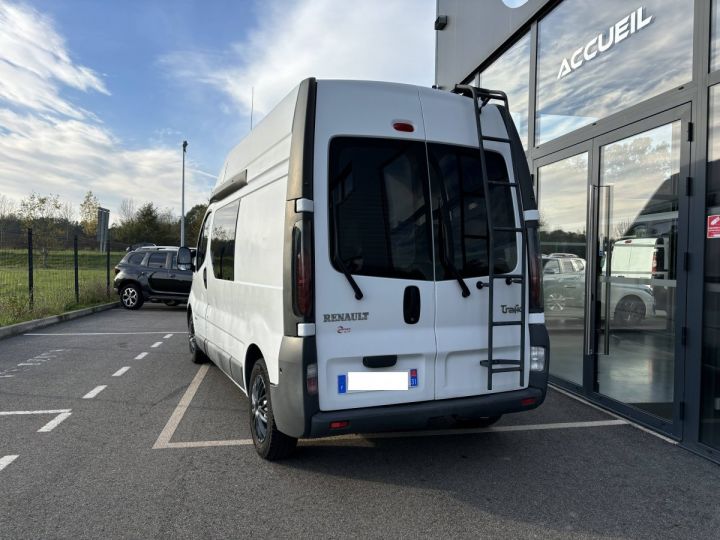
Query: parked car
151, 273
564, 289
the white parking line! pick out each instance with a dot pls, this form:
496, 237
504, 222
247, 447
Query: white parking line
55, 422
94, 392
6, 376
6, 460
51, 411
167, 336
156, 344
102, 333
141, 356
164, 439
29, 364
120, 371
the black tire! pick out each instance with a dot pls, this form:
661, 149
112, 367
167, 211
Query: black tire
196, 355
485, 421
629, 311
131, 296
270, 443
171, 303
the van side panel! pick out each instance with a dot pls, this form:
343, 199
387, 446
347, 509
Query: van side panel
257, 290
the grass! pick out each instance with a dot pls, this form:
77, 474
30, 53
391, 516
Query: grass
53, 283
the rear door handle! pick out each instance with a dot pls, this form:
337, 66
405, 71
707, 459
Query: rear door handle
411, 304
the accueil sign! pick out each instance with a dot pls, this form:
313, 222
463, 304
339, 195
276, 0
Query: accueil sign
624, 28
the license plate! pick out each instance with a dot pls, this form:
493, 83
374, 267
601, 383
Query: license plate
363, 381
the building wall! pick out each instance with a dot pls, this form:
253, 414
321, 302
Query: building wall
617, 101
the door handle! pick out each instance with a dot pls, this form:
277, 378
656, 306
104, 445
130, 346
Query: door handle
411, 304
205, 277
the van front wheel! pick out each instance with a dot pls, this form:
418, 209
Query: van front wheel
270, 443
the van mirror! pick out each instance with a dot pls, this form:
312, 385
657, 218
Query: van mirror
185, 259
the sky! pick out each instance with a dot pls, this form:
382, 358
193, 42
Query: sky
100, 95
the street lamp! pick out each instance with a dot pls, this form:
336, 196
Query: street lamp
182, 202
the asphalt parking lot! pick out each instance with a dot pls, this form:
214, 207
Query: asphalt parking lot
90, 449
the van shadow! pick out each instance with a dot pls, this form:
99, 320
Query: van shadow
596, 481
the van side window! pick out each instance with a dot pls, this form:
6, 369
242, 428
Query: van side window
379, 211
222, 244
202, 244
460, 213
157, 259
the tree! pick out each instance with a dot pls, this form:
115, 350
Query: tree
193, 222
89, 214
41, 213
127, 210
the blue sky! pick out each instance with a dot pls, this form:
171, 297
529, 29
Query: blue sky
99, 95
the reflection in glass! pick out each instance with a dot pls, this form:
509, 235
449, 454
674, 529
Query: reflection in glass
563, 197
511, 74
710, 411
637, 240
715, 37
597, 58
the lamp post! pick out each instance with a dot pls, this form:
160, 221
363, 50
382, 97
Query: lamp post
182, 202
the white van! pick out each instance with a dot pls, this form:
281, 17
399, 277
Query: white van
343, 276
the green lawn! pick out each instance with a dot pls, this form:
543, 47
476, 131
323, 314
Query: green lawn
53, 283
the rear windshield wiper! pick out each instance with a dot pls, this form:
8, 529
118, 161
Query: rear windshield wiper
339, 261
446, 260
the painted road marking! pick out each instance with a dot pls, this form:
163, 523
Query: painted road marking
55, 422
120, 371
141, 356
167, 336
6, 460
164, 439
156, 344
103, 333
166, 434
6, 376
52, 411
62, 414
94, 392
29, 364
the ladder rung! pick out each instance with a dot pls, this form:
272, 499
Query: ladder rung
506, 370
511, 276
508, 229
485, 363
506, 323
501, 183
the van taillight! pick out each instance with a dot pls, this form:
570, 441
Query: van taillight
302, 267
654, 263
534, 272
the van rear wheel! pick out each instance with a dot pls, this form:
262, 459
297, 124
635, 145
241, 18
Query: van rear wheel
270, 443
196, 355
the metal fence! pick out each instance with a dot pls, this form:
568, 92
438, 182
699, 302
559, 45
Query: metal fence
47, 274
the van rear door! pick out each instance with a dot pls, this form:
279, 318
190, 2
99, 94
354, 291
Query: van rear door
460, 214
372, 191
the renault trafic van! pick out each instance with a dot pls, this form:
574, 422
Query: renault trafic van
369, 261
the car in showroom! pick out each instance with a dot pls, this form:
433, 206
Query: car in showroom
630, 300
151, 273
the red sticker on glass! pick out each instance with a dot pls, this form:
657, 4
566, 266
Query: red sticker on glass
713, 227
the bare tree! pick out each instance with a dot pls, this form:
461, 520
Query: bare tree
127, 211
89, 213
41, 213
7, 207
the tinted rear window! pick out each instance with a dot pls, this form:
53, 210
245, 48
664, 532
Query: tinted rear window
135, 258
157, 260
379, 212
460, 212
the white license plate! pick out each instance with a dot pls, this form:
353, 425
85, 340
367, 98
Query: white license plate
363, 381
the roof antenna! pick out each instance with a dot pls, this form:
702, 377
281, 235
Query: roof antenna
252, 105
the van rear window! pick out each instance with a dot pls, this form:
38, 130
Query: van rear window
379, 211
385, 211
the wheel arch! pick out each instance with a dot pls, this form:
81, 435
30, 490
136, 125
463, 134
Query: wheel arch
252, 355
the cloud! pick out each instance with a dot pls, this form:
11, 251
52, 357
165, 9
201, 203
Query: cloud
49, 144
389, 40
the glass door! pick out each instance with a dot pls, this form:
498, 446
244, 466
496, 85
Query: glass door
639, 238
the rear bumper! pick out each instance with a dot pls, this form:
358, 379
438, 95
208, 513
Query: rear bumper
298, 414
417, 415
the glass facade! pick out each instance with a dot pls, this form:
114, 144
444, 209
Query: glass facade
562, 196
597, 58
511, 74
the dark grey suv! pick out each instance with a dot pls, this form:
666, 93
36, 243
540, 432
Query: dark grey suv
151, 274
